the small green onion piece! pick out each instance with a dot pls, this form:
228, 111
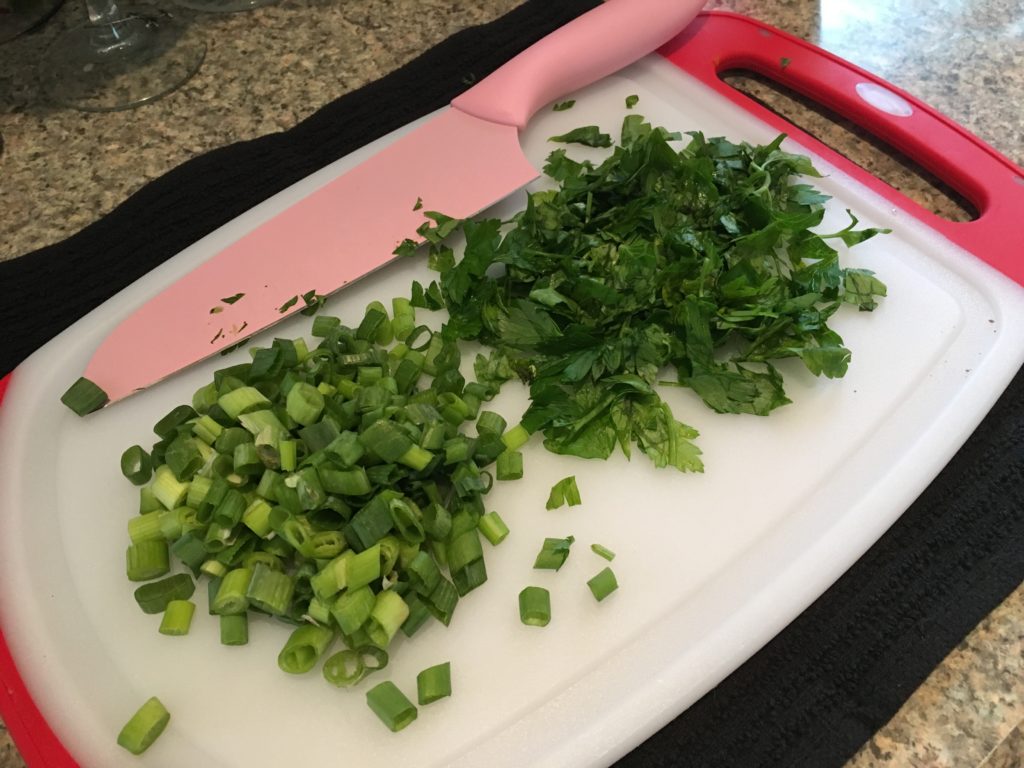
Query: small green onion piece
197, 490
231, 596
144, 727
246, 459
332, 578
515, 438
345, 668
207, 429
242, 400
168, 425
191, 550
304, 403
136, 465
170, 491
84, 397
270, 590
318, 611
289, 454
423, 574
347, 482
603, 551
215, 569
326, 544
234, 629
535, 606
418, 614
442, 601
304, 648
388, 614
564, 492
509, 465
434, 683
155, 596
466, 563
146, 527
352, 609
489, 421
391, 706
364, 568
603, 584
324, 325
493, 528
148, 502
553, 553
177, 617
256, 518
147, 560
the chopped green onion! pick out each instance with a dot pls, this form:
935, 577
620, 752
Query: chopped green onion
344, 669
234, 629
391, 706
388, 614
604, 552
242, 400
147, 560
493, 528
434, 683
363, 568
270, 590
516, 437
177, 617
304, 648
553, 553
509, 465
603, 584
352, 609
304, 403
170, 491
564, 492
232, 597
535, 606
136, 465
84, 397
155, 596
144, 727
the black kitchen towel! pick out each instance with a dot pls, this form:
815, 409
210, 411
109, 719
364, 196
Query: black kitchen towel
821, 688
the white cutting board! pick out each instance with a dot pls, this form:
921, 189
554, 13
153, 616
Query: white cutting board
710, 566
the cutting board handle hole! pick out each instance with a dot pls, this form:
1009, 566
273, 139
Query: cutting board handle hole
855, 143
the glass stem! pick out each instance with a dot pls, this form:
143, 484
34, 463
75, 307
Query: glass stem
102, 11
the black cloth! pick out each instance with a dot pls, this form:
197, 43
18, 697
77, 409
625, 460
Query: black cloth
823, 686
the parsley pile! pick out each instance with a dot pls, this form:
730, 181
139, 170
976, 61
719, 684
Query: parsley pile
698, 260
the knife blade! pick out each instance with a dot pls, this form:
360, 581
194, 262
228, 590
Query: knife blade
460, 162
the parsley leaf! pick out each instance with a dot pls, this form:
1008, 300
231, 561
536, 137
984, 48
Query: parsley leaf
588, 135
564, 105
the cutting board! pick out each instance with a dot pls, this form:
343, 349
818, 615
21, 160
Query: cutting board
711, 566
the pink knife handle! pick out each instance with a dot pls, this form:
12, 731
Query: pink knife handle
600, 42
718, 42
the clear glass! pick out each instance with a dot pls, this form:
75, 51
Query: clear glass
223, 6
20, 16
120, 59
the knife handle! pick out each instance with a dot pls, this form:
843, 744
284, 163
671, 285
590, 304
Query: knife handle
598, 43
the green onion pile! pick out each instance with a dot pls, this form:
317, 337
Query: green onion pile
328, 488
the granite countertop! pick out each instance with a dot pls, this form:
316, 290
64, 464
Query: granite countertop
271, 67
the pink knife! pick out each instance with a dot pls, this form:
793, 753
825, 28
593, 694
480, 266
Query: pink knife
352, 225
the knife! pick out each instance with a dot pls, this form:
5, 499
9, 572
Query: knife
352, 225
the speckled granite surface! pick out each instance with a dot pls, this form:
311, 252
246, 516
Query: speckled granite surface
269, 68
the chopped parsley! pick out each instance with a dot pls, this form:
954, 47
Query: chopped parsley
686, 258
564, 105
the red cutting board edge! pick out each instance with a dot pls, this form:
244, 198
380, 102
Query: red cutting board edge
727, 41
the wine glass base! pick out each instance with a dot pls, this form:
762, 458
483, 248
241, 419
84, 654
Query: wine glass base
121, 64
223, 6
